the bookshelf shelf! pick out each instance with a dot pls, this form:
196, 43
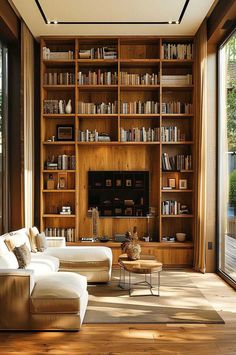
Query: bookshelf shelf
58, 216
58, 87
139, 60
59, 191
176, 191
177, 216
97, 87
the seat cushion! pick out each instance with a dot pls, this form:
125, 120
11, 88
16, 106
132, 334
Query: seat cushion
58, 293
41, 263
82, 254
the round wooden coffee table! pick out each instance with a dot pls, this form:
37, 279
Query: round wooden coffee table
147, 265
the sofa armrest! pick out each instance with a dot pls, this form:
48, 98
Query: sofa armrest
15, 290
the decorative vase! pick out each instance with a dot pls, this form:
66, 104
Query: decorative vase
133, 251
68, 107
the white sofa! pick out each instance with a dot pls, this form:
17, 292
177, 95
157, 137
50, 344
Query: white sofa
41, 298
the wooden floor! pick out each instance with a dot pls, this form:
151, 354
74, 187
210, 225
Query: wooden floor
141, 338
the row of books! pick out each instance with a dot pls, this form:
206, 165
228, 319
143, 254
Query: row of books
98, 78
99, 108
67, 233
139, 79
177, 107
62, 162
54, 78
171, 207
176, 163
172, 134
140, 134
177, 51
93, 136
138, 107
57, 55
186, 79
54, 106
98, 53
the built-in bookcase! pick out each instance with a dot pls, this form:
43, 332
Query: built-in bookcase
132, 109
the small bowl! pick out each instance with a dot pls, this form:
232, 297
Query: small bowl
181, 237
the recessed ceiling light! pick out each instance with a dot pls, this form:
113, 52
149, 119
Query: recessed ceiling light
48, 22
55, 22
177, 22
170, 22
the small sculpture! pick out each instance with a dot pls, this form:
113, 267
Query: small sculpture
131, 247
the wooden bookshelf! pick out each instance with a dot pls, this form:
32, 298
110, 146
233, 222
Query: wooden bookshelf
137, 56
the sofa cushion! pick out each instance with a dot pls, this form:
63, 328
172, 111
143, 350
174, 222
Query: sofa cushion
8, 261
58, 293
41, 242
23, 256
33, 231
17, 238
43, 264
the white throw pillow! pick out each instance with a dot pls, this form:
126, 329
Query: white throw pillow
8, 261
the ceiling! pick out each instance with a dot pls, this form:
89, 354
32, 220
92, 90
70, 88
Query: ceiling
189, 13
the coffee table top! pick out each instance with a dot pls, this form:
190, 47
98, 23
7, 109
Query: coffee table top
145, 265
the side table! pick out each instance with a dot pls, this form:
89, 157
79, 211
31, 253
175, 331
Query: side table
147, 265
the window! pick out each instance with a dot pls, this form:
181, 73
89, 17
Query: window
227, 159
3, 139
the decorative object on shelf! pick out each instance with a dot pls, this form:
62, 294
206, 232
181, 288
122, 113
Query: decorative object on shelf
168, 239
183, 184
104, 239
68, 107
50, 183
172, 183
62, 181
128, 182
95, 222
65, 210
183, 209
61, 107
181, 237
65, 132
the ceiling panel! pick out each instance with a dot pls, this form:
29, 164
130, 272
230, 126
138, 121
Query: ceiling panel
112, 11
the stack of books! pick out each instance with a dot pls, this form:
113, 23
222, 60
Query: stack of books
138, 107
140, 135
54, 78
177, 80
100, 108
68, 233
176, 107
139, 79
97, 78
53, 55
172, 134
62, 162
177, 51
93, 136
98, 53
170, 207
177, 163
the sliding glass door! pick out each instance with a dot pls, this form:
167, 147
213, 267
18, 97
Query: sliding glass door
227, 159
3, 139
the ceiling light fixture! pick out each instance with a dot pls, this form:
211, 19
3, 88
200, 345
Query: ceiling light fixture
170, 22
177, 22
55, 22
48, 22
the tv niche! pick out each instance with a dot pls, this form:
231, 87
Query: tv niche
119, 193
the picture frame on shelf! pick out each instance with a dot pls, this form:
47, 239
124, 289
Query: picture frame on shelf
62, 181
183, 184
128, 182
65, 132
172, 183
